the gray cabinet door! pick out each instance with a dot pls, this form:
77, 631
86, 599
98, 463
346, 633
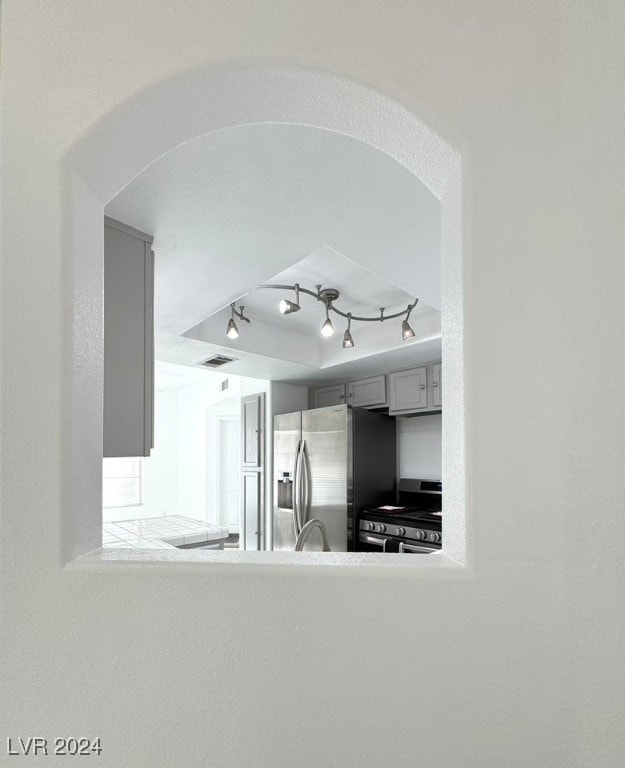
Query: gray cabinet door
367, 392
252, 509
253, 471
324, 397
128, 341
408, 390
437, 386
252, 430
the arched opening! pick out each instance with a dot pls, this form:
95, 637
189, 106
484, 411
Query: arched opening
206, 102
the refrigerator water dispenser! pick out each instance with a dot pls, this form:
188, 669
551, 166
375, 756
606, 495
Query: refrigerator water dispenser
285, 491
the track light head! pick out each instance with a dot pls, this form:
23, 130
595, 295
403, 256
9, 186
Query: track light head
348, 342
327, 329
286, 307
406, 331
232, 332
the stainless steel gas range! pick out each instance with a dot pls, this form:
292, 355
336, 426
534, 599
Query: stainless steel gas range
410, 523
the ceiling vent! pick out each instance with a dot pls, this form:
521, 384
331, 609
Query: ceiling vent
216, 361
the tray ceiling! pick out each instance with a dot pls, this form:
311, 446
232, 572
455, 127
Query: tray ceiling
232, 210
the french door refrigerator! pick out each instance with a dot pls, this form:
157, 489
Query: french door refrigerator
329, 463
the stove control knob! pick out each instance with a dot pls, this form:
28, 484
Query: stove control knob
369, 526
400, 532
435, 537
381, 528
420, 535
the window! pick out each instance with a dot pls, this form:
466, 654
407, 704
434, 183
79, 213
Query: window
122, 482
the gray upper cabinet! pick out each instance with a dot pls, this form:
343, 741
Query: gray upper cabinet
363, 393
367, 392
408, 390
128, 341
322, 397
416, 390
437, 386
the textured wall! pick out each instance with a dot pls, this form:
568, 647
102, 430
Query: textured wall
511, 661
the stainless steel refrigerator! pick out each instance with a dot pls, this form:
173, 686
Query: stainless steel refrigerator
329, 463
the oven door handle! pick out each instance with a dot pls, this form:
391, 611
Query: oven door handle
403, 547
374, 540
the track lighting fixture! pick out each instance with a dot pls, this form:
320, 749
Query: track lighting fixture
327, 296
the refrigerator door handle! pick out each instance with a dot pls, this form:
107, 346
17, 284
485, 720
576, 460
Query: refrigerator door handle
307, 493
302, 494
297, 486
301, 497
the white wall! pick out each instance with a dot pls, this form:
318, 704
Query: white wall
197, 406
160, 469
419, 447
513, 660
179, 477
228, 408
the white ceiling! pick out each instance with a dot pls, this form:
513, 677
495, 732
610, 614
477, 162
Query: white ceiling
282, 203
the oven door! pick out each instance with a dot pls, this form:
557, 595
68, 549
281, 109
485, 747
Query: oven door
371, 542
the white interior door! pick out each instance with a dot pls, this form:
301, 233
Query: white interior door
229, 475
